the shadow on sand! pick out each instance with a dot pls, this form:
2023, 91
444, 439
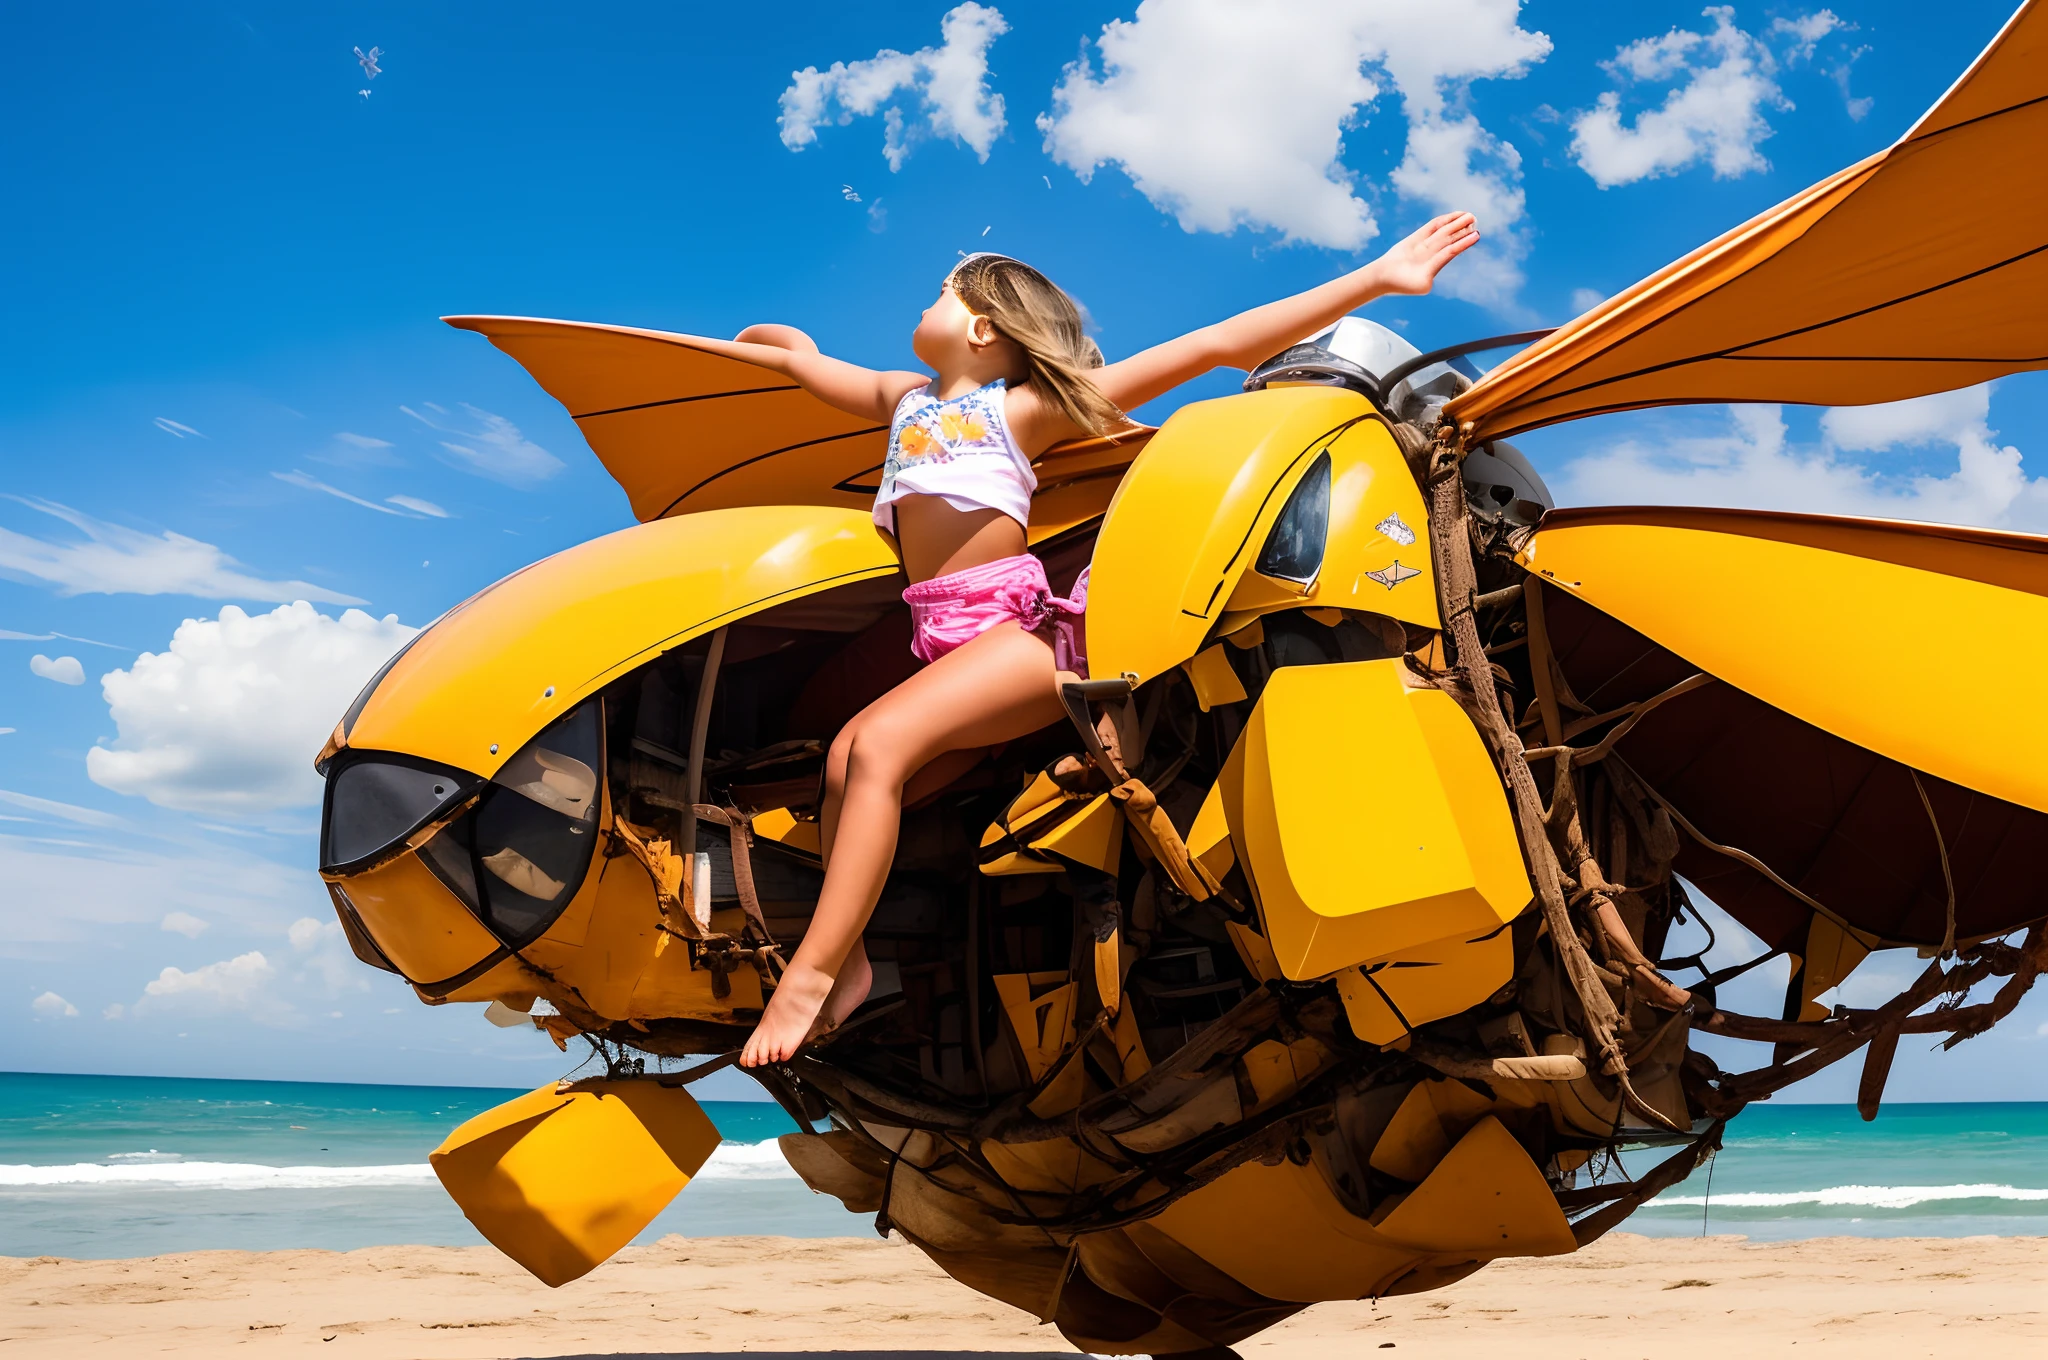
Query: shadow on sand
1219, 1353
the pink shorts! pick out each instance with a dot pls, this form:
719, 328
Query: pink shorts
947, 611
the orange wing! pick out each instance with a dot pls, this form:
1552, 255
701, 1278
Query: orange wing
683, 429
1918, 270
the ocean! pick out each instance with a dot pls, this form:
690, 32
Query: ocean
95, 1166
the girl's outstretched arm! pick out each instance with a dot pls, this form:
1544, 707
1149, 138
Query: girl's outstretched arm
865, 392
1250, 337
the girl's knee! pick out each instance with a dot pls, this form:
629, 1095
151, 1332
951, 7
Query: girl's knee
875, 757
836, 756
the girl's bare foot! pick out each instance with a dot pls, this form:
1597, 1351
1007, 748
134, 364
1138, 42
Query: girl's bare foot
792, 1011
856, 979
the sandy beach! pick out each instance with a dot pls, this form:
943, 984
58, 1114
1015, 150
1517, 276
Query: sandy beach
1627, 1296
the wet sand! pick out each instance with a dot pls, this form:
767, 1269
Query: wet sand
1624, 1298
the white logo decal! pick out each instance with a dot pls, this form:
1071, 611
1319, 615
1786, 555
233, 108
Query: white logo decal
1393, 528
1393, 575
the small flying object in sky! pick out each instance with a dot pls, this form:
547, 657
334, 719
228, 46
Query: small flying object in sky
368, 61
846, 191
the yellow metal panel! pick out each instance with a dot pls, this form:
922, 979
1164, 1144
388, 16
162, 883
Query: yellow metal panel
1130, 1045
1805, 612
494, 671
1094, 836
1056, 1166
1256, 953
1415, 986
1888, 279
558, 1182
416, 921
1831, 954
1431, 1119
1040, 799
1277, 1070
1040, 1008
1215, 682
1013, 863
669, 988
1373, 1019
1486, 1199
1208, 839
1195, 509
603, 951
1278, 1230
785, 828
1373, 820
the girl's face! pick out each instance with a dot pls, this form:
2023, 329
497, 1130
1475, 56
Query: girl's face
949, 336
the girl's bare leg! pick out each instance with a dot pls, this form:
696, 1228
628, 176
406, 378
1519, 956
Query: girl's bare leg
996, 688
927, 781
856, 976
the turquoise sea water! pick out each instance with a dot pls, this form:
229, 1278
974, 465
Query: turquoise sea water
1785, 1171
131, 1166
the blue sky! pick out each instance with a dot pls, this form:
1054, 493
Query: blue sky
225, 389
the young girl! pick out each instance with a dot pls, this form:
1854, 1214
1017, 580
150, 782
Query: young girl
1015, 375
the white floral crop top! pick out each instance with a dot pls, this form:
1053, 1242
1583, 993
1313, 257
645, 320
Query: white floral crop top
960, 449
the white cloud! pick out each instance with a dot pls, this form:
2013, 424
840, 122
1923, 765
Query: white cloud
49, 807
1806, 31
172, 427
226, 721
182, 923
494, 446
307, 932
350, 450
114, 1012
6, 731
324, 955
240, 984
1857, 107
65, 897
269, 991
418, 506
1754, 466
1903, 424
1725, 77
1227, 114
65, 670
1586, 299
949, 83
9, 635
408, 507
51, 1006
115, 560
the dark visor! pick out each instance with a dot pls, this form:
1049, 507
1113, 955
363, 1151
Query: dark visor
376, 800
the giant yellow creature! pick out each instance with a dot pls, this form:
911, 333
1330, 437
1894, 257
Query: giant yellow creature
1323, 954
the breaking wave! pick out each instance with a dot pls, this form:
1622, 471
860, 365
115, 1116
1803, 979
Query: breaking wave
213, 1175
1854, 1197
730, 1161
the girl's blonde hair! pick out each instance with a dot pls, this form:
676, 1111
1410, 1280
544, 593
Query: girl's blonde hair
1032, 311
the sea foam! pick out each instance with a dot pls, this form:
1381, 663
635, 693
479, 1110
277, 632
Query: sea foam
1854, 1196
729, 1161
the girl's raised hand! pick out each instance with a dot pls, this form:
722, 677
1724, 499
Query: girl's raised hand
1412, 265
